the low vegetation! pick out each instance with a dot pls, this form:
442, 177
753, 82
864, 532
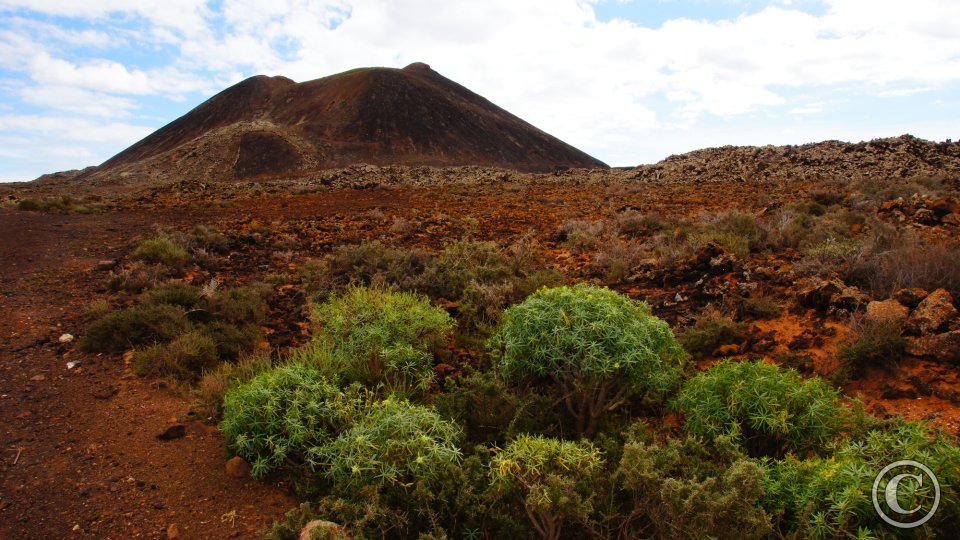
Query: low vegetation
468, 390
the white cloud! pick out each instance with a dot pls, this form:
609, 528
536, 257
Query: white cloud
616, 89
78, 100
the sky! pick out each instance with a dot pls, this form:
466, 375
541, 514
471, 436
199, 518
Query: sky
627, 81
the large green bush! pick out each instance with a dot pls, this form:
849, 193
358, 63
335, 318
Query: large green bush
394, 446
831, 497
686, 488
381, 336
595, 346
554, 480
282, 415
769, 409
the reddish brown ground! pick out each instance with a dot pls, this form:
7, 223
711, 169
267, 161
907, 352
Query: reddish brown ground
80, 454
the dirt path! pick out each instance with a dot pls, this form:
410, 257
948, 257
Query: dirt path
80, 457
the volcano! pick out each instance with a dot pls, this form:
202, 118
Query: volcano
272, 126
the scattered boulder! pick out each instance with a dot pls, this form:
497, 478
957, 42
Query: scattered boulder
176, 431
850, 298
173, 532
943, 347
925, 216
887, 311
934, 313
333, 530
106, 264
910, 297
818, 293
238, 467
65, 338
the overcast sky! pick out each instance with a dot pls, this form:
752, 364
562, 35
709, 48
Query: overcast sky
627, 81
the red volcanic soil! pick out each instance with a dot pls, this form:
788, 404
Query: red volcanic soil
380, 116
79, 453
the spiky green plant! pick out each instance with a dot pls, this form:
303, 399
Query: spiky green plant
282, 414
769, 409
553, 480
382, 336
831, 497
597, 347
395, 446
688, 488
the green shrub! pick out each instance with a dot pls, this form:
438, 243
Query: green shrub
466, 261
491, 412
175, 293
160, 250
831, 497
393, 447
231, 340
58, 205
710, 331
760, 307
915, 263
284, 414
122, 330
582, 235
738, 232
768, 409
594, 345
210, 239
213, 385
381, 336
686, 488
369, 264
137, 277
554, 480
239, 305
184, 358
877, 342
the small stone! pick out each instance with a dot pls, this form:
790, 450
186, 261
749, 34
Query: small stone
173, 532
910, 297
72, 364
850, 298
106, 264
65, 338
38, 378
237, 467
159, 505
176, 431
887, 311
333, 530
925, 216
935, 312
818, 293
943, 347
730, 349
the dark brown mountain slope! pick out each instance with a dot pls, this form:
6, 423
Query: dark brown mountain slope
380, 116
